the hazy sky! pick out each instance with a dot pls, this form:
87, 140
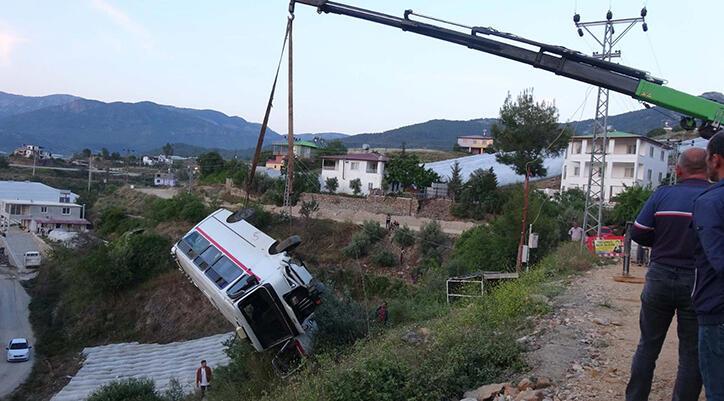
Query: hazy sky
351, 76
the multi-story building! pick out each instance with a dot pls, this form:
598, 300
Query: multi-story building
474, 144
302, 150
40, 208
164, 180
369, 168
630, 160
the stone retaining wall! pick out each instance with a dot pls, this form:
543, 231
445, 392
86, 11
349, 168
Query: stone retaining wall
372, 204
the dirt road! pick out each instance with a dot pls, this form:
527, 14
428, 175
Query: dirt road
587, 344
13, 323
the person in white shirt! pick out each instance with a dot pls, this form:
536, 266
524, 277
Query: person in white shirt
576, 232
203, 377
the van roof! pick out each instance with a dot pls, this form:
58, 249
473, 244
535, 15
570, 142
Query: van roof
244, 244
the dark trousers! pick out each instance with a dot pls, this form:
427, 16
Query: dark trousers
667, 291
711, 356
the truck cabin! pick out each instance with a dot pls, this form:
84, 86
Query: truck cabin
249, 277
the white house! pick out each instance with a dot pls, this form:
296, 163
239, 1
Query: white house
630, 160
157, 160
31, 151
369, 168
164, 180
40, 208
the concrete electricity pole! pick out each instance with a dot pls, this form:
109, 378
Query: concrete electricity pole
595, 191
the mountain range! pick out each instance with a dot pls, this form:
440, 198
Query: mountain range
66, 124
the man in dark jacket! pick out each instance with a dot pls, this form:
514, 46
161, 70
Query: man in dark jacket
203, 378
664, 224
708, 294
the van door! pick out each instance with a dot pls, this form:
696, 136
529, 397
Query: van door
268, 321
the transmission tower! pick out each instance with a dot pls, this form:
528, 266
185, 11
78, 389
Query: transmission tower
595, 192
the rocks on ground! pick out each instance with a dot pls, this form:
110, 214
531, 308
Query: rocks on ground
527, 389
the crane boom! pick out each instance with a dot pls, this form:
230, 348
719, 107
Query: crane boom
559, 60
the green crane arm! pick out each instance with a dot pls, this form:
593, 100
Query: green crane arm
557, 59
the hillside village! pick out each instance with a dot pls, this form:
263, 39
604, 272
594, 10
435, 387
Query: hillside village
166, 251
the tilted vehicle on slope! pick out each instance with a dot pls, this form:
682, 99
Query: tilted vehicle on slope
249, 277
557, 59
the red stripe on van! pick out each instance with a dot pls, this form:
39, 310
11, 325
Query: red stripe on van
228, 255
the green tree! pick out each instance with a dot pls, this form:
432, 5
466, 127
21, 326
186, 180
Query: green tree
210, 163
4, 162
105, 154
331, 184
406, 170
115, 156
455, 184
527, 133
167, 149
479, 195
629, 202
86, 153
356, 186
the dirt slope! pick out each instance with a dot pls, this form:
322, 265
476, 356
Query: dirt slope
587, 344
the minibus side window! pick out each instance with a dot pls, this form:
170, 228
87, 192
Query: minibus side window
239, 288
207, 258
264, 317
193, 244
223, 272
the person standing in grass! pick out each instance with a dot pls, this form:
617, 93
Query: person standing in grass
203, 378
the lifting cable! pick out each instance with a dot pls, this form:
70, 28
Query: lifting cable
265, 122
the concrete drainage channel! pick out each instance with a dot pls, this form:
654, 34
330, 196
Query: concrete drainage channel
159, 362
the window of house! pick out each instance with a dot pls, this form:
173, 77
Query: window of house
577, 147
576, 171
16, 209
564, 171
65, 211
223, 272
649, 174
662, 155
372, 167
43, 209
631, 149
354, 165
64, 198
329, 164
628, 172
651, 151
661, 177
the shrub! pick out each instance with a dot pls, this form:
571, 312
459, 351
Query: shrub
341, 320
373, 231
127, 390
184, 206
358, 246
384, 258
404, 237
356, 186
331, 184
309, 207
124, 263
432, 240
629, 202
115, 220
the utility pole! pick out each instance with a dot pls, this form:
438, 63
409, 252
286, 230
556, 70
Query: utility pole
290, 133
596, 191
90, 169
35, 159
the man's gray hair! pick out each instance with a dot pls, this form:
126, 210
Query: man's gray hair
692, 161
